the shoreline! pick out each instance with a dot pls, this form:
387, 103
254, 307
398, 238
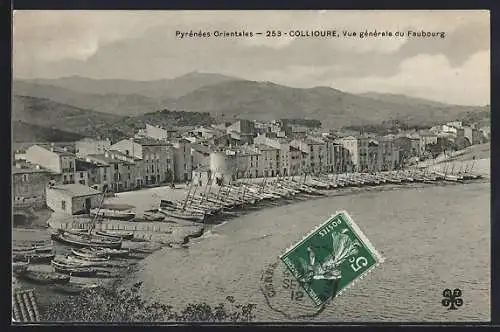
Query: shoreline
151, 196
131, 277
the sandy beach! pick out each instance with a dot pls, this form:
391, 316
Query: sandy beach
161, 235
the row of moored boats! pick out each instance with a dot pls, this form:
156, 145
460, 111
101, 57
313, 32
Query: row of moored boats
201, 206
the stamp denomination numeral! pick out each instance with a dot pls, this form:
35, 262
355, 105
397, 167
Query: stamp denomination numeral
360, 263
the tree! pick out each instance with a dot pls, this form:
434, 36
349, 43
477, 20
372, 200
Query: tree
104, 305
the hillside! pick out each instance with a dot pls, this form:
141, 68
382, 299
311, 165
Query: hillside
217, 94
38, 119
266, 101
402, 99
162, 89
50, 114
119, 104
25, 132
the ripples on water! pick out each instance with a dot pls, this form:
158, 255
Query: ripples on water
432, 238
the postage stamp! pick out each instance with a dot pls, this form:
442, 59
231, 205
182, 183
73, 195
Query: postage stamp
331, 258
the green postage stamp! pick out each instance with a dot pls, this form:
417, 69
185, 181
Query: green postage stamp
331, 258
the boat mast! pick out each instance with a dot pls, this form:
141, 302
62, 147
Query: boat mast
207, 188
92, 224
187, 196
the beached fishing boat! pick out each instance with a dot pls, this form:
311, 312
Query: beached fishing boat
40, 247
95, 258
18, 267
153, 217
116, 234
113, 214
85, 240
102, 252
72, 289
82, 262
73, 270
40, 277
168, 209
33, 257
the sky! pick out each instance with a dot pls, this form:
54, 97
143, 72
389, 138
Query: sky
142, 45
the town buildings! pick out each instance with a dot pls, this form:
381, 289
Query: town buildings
427, 138
114, 171
268, 160
28, 185
88, 146
246, 161
72, 198
357, 148
200, 156
157, 132
245, 130
157, 158
387, 155
183, 161
55, 159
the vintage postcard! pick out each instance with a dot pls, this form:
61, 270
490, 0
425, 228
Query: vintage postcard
251, 166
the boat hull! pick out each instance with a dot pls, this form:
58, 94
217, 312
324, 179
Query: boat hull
113, 215
34, 258
177, 215
59, 237
74, 271
104, 252
44, 278
125, 236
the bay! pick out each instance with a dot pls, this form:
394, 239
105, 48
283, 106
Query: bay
432, 238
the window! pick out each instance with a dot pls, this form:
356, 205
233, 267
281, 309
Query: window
63, 205
70, 165
25, 177
127, 152
81, 174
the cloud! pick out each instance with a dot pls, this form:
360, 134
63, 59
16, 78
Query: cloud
142, 45
433, 77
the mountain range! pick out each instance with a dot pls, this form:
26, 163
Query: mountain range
80, 105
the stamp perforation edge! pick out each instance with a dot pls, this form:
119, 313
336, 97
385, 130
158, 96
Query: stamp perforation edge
378, 257
358, 232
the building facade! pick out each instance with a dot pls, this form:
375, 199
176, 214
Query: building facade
268, 160
358, 152
388, 155
157, 132
157, 158
183, 161
28, 185
55, 159
72, 198
88, 146
245, 129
